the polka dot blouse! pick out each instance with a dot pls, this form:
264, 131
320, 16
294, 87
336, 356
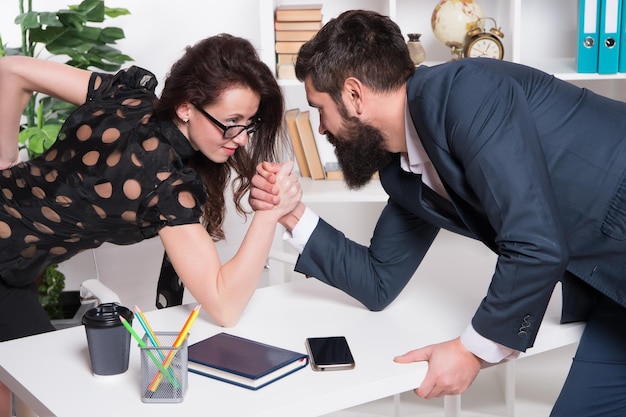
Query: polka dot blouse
115, 174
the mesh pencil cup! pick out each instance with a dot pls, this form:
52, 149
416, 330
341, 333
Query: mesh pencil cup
163, 369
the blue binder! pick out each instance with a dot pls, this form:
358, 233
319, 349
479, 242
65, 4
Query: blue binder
588, 35
621, 67
608, 45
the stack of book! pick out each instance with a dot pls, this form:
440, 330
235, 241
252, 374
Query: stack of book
294, 25
305, 147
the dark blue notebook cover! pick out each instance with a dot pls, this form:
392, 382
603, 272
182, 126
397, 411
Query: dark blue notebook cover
243, 362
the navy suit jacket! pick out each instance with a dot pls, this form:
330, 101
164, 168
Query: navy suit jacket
535, 169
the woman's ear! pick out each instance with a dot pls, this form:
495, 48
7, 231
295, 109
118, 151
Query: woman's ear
352, 95
182, 111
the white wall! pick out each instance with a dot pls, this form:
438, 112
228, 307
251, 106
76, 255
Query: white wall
157, 30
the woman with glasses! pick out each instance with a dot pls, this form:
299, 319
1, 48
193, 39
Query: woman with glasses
127, 166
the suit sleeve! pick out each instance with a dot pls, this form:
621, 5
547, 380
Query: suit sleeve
491, 134
374, 275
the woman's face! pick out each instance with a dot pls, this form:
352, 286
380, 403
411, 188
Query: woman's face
237, 106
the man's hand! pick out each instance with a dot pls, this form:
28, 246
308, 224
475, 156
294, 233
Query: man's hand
451, 368
264, 192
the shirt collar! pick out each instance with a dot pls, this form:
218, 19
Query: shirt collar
175, 137
416, 155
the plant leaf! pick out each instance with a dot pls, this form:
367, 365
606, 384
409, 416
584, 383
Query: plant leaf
28, 20
72, 20
32, 139
93, 10
115, 12
49, 19
111, 34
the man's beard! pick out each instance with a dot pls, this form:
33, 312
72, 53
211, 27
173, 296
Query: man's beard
360, 152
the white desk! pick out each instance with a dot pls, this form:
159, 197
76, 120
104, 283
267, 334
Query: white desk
51, 372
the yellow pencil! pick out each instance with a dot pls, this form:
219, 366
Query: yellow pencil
177, 343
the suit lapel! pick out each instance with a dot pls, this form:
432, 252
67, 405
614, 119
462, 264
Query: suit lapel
408, 190
458, 216
466, 205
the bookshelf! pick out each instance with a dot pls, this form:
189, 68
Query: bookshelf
537, 33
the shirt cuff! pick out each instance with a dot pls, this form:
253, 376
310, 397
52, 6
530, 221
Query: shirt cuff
486, 349
300, 234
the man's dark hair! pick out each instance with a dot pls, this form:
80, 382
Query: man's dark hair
358, 43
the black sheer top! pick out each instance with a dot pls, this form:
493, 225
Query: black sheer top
115, 174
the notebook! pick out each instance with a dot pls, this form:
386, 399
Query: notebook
244, 362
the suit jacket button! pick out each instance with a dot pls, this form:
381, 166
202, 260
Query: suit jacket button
522, 334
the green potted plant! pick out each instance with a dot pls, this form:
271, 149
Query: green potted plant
65, 32
50, 285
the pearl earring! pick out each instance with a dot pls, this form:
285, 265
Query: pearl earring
185, 120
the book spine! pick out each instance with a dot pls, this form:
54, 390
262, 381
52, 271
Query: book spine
310, 146
290, 47
298, 15
294, 26
296, 142
295, 35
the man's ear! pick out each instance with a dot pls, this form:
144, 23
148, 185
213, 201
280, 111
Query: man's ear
353, 95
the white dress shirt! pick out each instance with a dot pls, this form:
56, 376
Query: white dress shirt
416, 161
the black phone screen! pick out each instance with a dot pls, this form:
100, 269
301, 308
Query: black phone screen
330, 353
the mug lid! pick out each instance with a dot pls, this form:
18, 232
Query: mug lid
106, 315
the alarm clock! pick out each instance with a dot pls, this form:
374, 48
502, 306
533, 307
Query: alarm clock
483, 44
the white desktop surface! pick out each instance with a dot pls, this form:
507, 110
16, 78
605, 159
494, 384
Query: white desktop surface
51, 372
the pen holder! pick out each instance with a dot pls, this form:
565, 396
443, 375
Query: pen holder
163, 369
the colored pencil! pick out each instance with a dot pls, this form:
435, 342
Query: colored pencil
177, 343
146, 327
141, 343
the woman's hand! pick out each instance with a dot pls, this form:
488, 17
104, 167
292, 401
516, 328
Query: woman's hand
286, 188
265, 193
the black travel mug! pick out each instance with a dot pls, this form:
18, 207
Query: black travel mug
107, 338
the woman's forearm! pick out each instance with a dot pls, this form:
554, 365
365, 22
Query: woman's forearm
13, 100
20, 76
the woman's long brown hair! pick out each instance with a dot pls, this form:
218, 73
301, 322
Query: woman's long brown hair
201, 75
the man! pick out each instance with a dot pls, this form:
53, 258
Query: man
530, 165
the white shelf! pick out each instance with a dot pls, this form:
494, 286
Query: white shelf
336, 191
564, 68
537, 33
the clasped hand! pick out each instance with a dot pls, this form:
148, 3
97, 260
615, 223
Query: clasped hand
266, 187
275, 187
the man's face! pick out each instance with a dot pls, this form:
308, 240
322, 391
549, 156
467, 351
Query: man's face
360, 150
360, 147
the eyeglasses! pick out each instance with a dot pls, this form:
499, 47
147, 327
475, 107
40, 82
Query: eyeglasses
230, 132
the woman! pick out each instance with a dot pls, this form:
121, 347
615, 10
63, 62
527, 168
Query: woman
127, 167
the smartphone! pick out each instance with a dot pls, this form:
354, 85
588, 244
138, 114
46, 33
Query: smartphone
329, 353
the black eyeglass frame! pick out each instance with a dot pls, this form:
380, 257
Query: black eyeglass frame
250, 129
